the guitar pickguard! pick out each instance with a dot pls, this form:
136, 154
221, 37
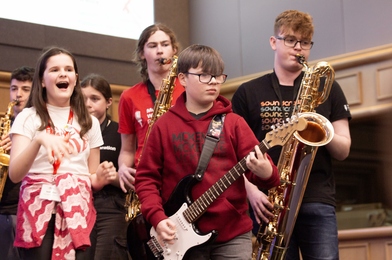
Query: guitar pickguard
186, 237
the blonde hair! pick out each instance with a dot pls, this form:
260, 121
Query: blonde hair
297, 21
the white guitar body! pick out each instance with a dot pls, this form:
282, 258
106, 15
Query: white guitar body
185, 239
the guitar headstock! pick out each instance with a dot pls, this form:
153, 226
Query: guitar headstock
282, 132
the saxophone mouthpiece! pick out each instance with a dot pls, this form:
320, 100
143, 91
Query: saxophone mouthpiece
164, 61
16, 102
300, 58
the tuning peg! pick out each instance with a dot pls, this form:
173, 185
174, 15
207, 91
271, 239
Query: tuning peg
294, 118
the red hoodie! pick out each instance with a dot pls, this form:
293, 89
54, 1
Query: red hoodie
172, 152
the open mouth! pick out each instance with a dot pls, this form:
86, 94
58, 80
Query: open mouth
62, 85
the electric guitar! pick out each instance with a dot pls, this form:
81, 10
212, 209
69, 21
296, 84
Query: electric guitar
142, 238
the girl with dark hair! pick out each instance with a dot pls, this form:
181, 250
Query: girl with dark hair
55, 153
109, 232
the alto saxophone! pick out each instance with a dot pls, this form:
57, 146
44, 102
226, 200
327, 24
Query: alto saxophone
295, 162
5, 126
161, 106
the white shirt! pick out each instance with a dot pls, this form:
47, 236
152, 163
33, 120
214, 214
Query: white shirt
27, 123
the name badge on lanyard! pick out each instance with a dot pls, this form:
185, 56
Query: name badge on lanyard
49, 192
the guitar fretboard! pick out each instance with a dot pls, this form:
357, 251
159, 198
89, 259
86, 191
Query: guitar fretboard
199, 206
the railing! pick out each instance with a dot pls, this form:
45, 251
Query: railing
365, 77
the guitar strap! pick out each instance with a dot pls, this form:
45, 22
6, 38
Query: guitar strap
212, 138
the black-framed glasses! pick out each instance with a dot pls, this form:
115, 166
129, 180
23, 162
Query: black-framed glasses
291, 42
206, 78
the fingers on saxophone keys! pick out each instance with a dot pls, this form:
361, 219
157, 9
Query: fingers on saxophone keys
128, 183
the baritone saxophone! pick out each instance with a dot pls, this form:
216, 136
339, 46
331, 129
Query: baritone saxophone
295, 162
5, 126
161, 106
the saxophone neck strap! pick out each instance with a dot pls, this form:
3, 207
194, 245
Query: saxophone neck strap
276, 86
212, 138
151, 91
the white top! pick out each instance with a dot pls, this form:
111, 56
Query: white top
27, 123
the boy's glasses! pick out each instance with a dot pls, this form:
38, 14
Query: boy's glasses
291, 42
206, 78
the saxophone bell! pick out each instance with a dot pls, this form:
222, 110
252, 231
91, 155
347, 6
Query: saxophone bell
319, 131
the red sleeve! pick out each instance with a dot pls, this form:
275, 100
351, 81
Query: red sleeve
148, 181
125, 125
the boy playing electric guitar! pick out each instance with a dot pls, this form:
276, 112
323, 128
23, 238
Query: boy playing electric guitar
173, 150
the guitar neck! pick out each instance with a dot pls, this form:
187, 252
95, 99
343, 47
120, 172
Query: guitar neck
199, 206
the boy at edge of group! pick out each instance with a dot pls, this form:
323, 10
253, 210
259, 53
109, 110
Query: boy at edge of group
173, 150
315, 234
20, 88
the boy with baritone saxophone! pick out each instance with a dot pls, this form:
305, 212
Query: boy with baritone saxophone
20, 88
315, 230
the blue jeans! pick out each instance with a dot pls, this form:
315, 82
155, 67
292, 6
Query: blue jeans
7, 237
239, 248
315, 233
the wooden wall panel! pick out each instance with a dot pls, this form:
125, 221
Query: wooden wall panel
384, 83
352, 87
357, 251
